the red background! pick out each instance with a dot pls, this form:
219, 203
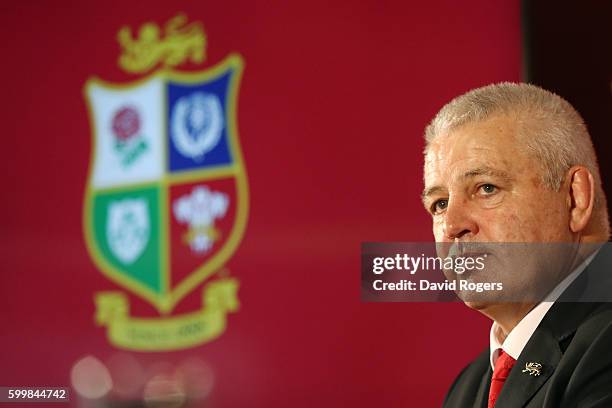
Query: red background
332, 105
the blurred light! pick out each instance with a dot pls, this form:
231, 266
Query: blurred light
159, 368
197, 378
164, 391
90, 378
127, 374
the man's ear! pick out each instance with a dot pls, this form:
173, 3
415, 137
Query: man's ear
581, 197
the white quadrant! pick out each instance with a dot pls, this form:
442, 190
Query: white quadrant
129, 133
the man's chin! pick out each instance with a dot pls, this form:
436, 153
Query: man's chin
481, 300
478, 305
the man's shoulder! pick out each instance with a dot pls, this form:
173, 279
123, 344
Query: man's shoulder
584, 373
600, 316
576, 322
592, 337
469, 382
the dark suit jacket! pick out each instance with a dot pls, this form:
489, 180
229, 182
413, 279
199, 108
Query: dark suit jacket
574, 345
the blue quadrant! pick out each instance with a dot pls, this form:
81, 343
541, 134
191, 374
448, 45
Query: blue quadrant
197, 125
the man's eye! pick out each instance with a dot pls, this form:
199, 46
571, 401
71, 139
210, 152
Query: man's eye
439, 206
488, 188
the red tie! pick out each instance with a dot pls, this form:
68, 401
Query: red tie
503, 365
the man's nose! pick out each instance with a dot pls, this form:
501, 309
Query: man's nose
458, 220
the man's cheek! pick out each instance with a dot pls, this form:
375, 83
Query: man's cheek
438, 229
501, 227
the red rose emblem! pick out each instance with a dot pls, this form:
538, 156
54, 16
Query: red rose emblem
126, 123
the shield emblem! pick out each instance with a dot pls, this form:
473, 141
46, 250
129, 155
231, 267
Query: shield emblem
167, 199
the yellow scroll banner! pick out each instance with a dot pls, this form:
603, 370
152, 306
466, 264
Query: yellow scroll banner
167, 333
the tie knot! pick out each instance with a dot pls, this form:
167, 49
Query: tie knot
503, 365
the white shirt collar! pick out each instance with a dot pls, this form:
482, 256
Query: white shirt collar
516, 340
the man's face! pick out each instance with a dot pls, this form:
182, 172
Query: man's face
483, 186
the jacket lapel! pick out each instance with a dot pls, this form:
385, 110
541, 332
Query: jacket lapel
482, 396
542, 348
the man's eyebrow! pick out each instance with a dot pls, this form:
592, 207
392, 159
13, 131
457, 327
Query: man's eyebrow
487, 171
431, 191
480, 171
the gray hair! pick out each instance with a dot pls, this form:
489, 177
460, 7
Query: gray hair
553, 131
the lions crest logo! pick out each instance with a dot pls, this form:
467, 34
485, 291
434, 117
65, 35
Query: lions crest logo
166, 200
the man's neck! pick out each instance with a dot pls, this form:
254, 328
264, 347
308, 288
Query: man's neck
507, 315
